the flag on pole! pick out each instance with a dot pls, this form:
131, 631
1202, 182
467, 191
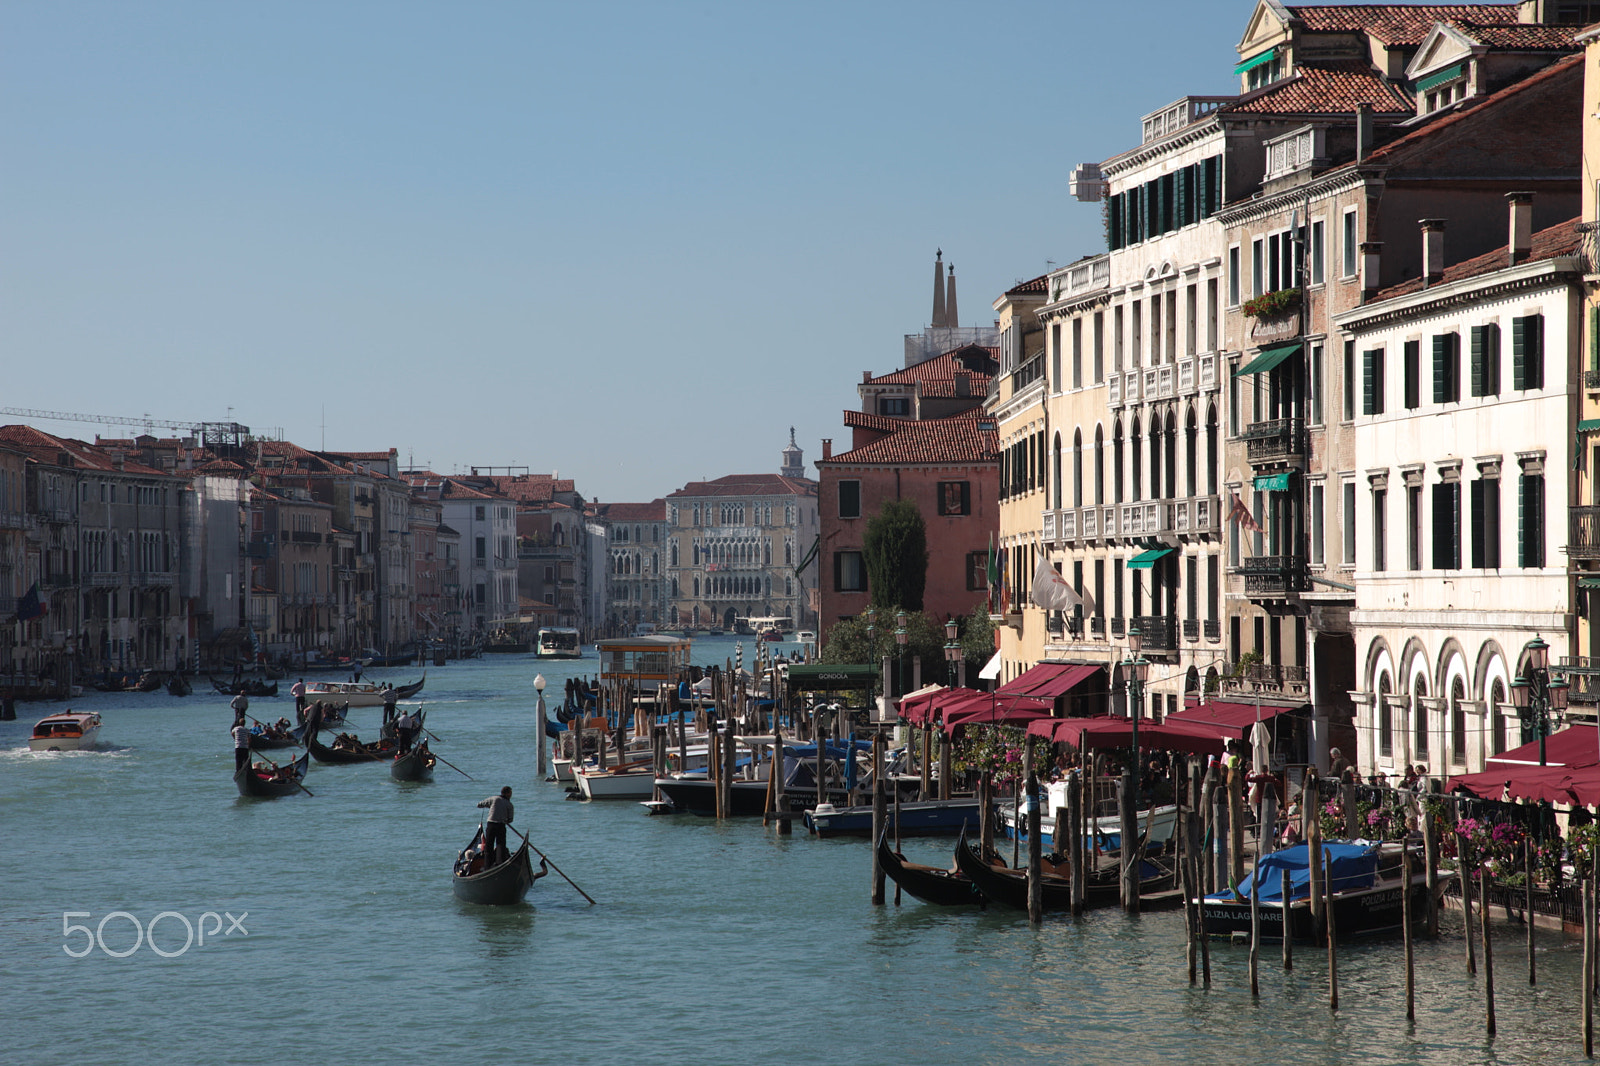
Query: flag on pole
1050, 589
31, 606
1240, 515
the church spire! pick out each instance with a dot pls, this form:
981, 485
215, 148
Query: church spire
951, 319
939, 319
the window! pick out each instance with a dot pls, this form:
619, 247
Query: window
479, 512
480, 549
1419, 717
1314, 385
1349, 380
1077, 353
849, 573
1380, 518
955, 497
1485, 519
977, 571
1413, 527
849, 499
1527, 352
1317, 251
1316, 525
1486, 360
1447, 526
894, 405
1413, 375
1458, 723
1347, 525
1233, 279
1372, 382
1099, 347
1350, 247
1258, 267
1447, 368
1385, 720
1530, 521
1055, 356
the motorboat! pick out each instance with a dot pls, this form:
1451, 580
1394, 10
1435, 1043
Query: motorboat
558, 642
360, 693
67, 731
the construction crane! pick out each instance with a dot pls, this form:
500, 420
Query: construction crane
211, 433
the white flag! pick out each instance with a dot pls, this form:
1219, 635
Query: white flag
1050, 589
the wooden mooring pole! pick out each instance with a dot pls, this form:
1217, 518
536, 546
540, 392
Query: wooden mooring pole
1255, 934
1288, 938
1488, 952
1035, 845
1465, 877
1333, 937
1588, 962
1186, 882
878, 827
1430, 856
1079, 847
1405, 922
1203, 930
1527, 907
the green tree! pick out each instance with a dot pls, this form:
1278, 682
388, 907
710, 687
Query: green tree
849, 642
896, 551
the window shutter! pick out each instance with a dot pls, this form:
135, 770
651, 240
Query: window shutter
1441, 527
1475, 508
1533, 352
1491, 522
1442, 391
1413, 374
1183, 190
1369, 381
1491, 360
1479, 345
1519, 353
1594, 339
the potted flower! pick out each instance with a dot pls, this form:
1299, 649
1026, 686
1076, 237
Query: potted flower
1272, 304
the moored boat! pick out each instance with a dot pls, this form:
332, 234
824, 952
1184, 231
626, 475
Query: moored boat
67, 731
930, 884
178, 685
630, 781
1009, 888
502, 884
916, 818
269, 781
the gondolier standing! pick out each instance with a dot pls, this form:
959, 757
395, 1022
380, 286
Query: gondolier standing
241, 742
500, 815
298, 691
240, 704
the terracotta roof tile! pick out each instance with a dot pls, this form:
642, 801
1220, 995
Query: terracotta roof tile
1398, 24
870, 420
654, 511
969, 437
1334, 88
1040, 284
749, 485
1561, 239
939, 368
1522, 37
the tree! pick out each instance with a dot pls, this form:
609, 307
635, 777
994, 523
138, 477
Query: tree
896, 551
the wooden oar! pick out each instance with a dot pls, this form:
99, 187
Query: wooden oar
452, 766
553, 866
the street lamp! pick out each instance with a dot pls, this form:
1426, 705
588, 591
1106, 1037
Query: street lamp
1136, 668
952, 653
900, 638
538, 686
1535, 694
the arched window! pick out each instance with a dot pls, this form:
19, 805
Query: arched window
1458, 723
1385, 719
1155, 457
1172, 454
1055, 477
1099, 466
1137, 455
1211, 450
1116, 461
1077, 468
1419, 718
1497, 718
1191, 446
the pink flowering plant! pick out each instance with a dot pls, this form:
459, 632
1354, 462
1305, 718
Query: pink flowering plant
997, 750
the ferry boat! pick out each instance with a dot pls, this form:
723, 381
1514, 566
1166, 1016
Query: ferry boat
67, 731
769, 627
645, 660
559, 642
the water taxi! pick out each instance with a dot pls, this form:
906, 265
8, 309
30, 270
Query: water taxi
769, 627
559, 642
360, 693
67, 731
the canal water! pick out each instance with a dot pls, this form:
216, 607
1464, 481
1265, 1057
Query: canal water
330, 933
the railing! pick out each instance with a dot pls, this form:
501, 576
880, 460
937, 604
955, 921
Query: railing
1097, 626
1150, 387
1118, 627
1591, 380
1048, 526
1583, 677
1108, 522
1158, 632
1191, 629
1214, 629
1583, 534
301, 537
1074, 625
1207, 514
1274, 575
1089, 519
1069, 526
1114, 390
1208, 371
105, 580
1186, 375
1139, 519
1266, 678
13, 520
1590, 245
1281, 438
1178, 114
153, 578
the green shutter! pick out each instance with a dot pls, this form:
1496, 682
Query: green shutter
1594, 339
1371, 382
1519, 343
1530, 521
1533, 356
1444, 369
1181, 213
1479, 351
1491, 360
1475, 510
1491, 522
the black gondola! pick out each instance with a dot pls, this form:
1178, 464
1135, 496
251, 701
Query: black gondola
930, 884
178, 685
379, 751
415, 765
245, 688
503, 884
255, 784
262, 742
390, 731
1009, 888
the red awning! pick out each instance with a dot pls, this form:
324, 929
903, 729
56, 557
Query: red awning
1109, 732
1049, 680
1545, 784
1228, 720
991, 708
916, 707
1573, 746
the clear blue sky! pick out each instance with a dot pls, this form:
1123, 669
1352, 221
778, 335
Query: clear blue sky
630, 242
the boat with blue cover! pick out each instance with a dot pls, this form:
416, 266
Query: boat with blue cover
1368, 892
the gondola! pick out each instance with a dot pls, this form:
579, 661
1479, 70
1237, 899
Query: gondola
178, 685
1009, 888
503, 884
930, 884
415, 765
390, 731
245, 688
254, 784
262, 742
377, 752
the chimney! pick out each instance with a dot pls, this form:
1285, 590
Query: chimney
1520, 243
1432, 249
939, 320
827, 448
963, 379
1371, 255
866, 376
951, 319
1363, 131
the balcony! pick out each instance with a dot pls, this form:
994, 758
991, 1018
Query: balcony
13, 520
1139, 519
301, 537
1150, 384
1583, 675
1267, 679
1277, 441
258, 549
1583, 534
1186, 375
1191, 630
1208, 372
1159, 632
1049, 526
1089, 523
1214, 630
1114, 390
104, 580
1130, 387
153, 578
1097, 627
1591, 380
1119, 627
1194, 515
1274, 575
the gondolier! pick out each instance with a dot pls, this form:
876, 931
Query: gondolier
241, 741
240, 704
500, 815
298, 691
406, 728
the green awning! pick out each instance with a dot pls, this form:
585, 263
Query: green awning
1589, 425
1256, 60
1440, 77
1589, 582
1146, 559
1268, 358
1272, 482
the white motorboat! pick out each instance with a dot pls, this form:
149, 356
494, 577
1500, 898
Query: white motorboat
67, 731
359, 693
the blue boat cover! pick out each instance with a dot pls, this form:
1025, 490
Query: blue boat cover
1351, 864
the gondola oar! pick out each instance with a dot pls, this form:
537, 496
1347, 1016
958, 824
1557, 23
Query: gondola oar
454, 767
553, 866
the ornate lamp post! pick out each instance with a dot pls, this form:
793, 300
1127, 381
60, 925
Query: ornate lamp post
1136, 668
952, 652
538, 686
1535, 694
900, 638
